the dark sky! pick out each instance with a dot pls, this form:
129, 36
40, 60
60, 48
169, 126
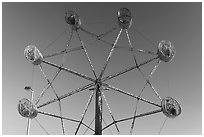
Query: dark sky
40, 23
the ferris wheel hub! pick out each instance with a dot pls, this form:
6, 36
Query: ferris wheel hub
33, 55
27, 109
124, 18
73, 19
166, 51
171, 108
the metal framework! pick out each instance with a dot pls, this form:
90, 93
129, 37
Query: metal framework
165, 53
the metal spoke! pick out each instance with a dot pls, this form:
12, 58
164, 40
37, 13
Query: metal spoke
154, 69
133, 121
131, 129
53, 115
41, 126
129, 94
136, 50
162, 126
87, 56
118, 73
73, 120
146, 52
106, 33
67, 94
137, 116
144, 37
48, 81
63, 60
154, 91
109, 56
106, 125
67, 46
84, 112
110, 112
151, 72
131, 47
54, 40
44, 90
81, 47
150, 75
89, 126
126, 70
63, 51
148, 61
48, 85
98, 37
62, 124
70, 71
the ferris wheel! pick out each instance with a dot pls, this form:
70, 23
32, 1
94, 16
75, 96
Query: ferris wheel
30, 108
